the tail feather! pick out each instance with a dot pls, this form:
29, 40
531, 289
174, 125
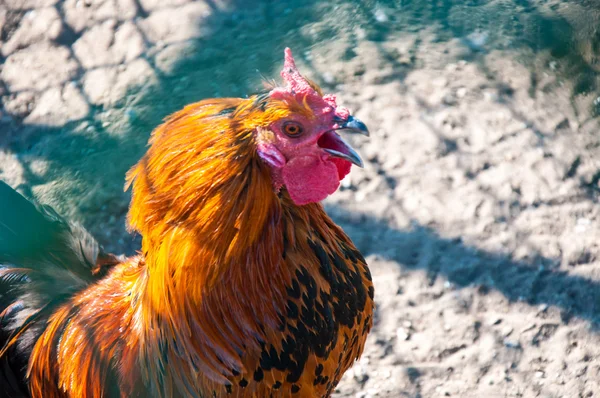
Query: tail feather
44, 260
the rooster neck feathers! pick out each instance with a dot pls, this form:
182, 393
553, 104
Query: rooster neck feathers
213, 243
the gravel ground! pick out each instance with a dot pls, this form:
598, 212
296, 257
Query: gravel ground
477, 208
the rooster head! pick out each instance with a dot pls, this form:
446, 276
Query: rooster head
301, 143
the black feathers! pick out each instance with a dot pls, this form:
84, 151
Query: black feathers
314, 316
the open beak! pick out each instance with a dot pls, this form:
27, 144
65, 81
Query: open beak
334, 145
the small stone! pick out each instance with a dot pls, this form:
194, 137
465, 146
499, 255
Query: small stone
346, 183
539, 374
329, 78
451, 67
582, 225
563, 124
380, 15
512, 343
461, 92
360, 196
402, 334
360, 373
39, 167
449, 99
490, 96
476, 41
506, 331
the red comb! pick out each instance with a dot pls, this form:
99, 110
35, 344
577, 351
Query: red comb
296, 83
299, 87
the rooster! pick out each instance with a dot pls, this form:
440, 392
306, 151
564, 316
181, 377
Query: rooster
244, 287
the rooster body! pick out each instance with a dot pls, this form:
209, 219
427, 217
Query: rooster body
244, 286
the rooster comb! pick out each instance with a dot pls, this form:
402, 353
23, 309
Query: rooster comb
302, 89
296, 83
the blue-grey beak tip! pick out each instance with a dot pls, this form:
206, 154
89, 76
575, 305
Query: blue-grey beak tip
354, 125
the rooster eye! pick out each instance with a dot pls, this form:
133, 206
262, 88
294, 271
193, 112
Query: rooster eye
293, 129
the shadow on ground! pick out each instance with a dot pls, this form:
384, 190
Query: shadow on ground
533, 282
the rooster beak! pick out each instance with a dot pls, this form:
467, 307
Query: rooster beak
342, 149
353, 125
349, 153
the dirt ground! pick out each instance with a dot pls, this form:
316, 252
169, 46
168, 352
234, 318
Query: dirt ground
477, 207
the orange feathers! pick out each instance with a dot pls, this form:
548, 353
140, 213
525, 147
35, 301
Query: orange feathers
237, 291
